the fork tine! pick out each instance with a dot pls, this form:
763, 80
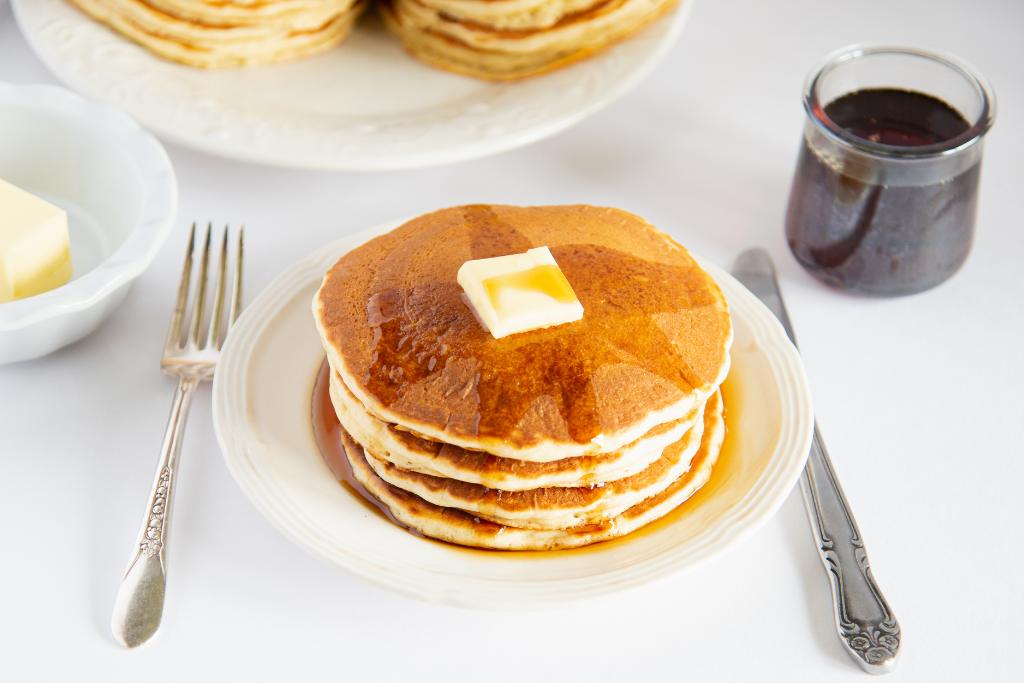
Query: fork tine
200, 300
174, 332
236, 287
213, 337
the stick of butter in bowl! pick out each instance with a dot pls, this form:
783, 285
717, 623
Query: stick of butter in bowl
35, 251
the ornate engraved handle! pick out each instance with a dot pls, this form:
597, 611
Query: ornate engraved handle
866, 624
140, 599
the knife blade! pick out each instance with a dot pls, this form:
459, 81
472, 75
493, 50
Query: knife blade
865, 623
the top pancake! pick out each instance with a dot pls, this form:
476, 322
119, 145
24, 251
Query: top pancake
652, 345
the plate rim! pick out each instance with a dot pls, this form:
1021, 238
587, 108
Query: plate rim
757, 506
475, 148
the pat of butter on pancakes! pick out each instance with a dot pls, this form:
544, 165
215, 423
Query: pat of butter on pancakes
519, 292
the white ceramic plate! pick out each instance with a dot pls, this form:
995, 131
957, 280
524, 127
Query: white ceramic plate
262, 397
117, 186
366, 105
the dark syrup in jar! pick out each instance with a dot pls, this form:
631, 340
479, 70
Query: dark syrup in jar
878, 238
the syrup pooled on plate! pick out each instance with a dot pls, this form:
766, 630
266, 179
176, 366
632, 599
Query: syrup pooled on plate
875, 236
327, 432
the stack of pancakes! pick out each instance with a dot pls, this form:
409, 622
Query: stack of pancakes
225, 33
513, 39
546, 439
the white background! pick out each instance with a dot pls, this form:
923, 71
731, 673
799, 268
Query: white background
919, 399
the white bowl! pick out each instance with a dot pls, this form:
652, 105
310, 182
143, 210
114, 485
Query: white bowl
118, 188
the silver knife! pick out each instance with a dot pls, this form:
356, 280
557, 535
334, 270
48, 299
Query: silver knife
866, 625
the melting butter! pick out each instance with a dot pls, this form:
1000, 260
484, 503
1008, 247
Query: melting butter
519, 292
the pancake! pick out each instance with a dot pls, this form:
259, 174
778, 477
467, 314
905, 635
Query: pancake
517, 43
652, 347
556, 508
413, 453
509, 14
298, 14
233, 35
456, 526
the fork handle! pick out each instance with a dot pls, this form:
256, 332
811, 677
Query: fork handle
866, 624
140, 598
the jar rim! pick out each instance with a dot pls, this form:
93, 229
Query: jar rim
815, 109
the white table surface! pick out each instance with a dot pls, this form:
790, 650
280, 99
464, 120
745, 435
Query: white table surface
919, 399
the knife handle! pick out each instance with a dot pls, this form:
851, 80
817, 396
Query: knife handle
865, 622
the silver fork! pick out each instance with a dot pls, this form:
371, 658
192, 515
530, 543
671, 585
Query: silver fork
190, 354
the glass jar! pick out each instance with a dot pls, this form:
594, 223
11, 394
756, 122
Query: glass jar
884, 197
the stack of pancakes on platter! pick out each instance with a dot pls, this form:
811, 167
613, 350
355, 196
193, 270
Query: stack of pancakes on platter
491, 39
227, 33
513, 39
551, 438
